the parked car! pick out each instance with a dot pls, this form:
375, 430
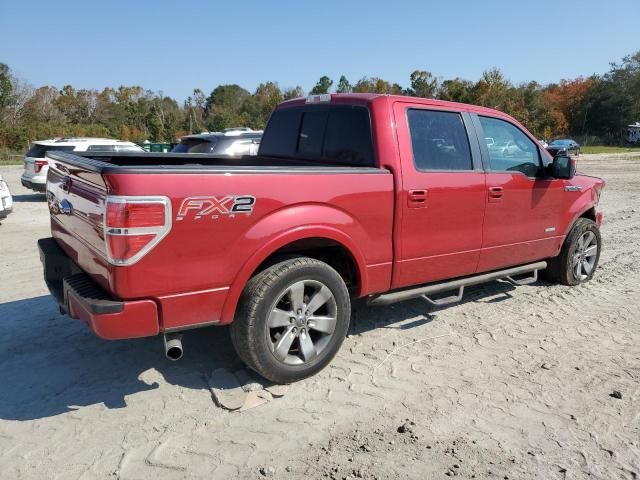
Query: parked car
508, 148
570, 147
234, 142
36, 165
349, 196
6, 200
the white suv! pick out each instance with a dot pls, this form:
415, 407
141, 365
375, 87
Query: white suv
36, 165
6, 201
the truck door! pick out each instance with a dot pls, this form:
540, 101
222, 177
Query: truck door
442, 201
523, 220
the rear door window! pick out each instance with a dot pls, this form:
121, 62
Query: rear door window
333, 134
439, 140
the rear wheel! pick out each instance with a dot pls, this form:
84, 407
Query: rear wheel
292, 319
579, 255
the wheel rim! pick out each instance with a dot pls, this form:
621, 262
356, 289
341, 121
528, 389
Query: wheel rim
584, 256
301, 322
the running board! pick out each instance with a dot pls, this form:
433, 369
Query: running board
459, 285
523, 281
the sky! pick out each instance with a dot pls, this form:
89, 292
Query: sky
174, 46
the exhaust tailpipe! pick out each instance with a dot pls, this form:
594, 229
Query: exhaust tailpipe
173, 346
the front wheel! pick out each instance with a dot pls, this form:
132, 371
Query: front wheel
579, 255
292, 319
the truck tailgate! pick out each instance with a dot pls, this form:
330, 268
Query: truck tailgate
76, 205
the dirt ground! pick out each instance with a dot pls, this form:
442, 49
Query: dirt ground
513, 383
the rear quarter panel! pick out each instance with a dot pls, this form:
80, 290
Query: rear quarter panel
216, 254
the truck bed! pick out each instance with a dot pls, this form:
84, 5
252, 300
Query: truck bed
109, 162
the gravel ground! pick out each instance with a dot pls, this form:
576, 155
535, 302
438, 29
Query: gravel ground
512, 383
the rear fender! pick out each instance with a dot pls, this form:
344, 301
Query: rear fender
320, 222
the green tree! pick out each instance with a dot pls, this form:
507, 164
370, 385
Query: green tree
343, 85
423, 84
257, 108
491, 90
194, 111
42, 107
614, 100
376, 85
456, 90
322, 86
6, 88
226, 98
294, 92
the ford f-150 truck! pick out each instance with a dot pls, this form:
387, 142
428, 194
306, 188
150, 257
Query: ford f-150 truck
351, 195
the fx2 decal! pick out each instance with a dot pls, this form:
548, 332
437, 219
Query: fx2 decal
213, 207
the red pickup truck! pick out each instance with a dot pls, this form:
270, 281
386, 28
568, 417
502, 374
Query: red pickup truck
376, 196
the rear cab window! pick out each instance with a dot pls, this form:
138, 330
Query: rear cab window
330, 134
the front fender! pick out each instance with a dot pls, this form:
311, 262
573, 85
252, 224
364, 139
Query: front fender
587, 200
281, 228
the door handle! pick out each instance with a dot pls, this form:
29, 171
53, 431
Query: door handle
495, 194
417, 199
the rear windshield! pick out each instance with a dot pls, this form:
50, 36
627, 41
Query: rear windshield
39, 151
195, 145
333, 134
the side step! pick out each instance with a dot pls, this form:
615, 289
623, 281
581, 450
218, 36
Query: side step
459, 285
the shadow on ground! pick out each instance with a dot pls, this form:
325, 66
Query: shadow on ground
365, 317
51, 364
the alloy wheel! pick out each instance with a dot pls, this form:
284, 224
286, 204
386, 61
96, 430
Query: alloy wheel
584, 256
301, 322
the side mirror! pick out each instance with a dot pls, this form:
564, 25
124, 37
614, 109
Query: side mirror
563, 166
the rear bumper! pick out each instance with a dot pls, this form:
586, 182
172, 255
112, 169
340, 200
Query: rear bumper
33, 184
83, 299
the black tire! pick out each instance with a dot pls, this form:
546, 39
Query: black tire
252, 335
562, 269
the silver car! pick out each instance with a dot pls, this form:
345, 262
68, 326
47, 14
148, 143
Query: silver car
232, 142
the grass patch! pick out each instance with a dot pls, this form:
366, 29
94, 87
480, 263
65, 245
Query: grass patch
596, 149
10, 157
10, 162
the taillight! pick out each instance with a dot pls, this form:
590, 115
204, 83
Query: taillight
133, 226
39, 164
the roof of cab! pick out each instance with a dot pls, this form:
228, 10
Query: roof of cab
365, 98
369, 98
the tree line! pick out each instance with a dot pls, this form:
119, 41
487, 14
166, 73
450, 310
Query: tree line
597, 106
